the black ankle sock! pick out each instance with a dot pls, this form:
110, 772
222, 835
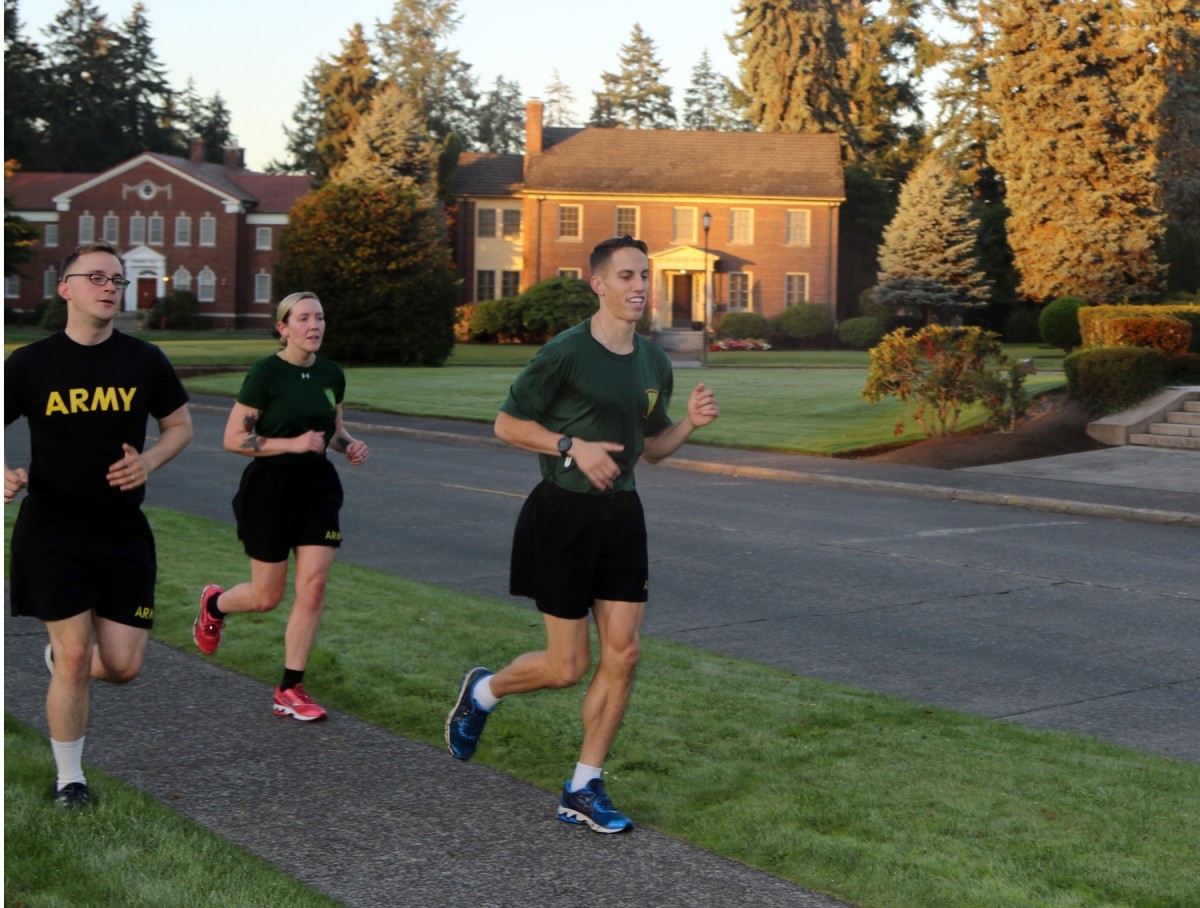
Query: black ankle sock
291, 678
211, 605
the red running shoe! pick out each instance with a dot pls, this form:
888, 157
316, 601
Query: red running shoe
296, 702
207, 629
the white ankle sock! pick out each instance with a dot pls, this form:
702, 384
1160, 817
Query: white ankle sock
482, 694
69, 760
584, 774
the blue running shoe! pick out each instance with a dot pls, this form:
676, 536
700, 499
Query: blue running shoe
464, 725
591, 805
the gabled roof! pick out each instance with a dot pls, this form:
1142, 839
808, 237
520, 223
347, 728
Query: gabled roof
676, 162
275, 193
489, 175
36, 191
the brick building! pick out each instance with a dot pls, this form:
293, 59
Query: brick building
771, 202
177, 223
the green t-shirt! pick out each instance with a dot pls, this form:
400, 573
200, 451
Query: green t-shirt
292, 399
578, 387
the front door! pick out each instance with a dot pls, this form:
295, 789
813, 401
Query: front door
146, 287
681, 301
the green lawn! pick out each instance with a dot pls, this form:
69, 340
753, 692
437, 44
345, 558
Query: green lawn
881, 801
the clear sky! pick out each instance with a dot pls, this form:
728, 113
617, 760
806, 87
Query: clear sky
257, 53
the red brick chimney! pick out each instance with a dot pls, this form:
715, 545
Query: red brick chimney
196, 150
533, 130
235, 158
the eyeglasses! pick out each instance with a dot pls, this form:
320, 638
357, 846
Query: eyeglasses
101, 279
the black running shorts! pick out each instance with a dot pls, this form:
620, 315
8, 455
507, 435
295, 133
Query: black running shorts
67, 562
571, 548
281, 505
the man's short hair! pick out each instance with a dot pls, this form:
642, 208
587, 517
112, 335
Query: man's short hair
604, 251
84, 249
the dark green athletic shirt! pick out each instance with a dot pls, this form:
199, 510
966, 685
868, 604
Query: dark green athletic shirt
578, 387
293, 400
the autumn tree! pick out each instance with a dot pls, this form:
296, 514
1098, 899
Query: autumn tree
636, 95
559, 107
390, 149
1077, 150
345, 87
928, 259
708, 102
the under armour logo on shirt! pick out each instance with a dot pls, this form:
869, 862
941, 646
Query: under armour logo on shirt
304, 375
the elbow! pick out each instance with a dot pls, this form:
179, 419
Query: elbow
502, 428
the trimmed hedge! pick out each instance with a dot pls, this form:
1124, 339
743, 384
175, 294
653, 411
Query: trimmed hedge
1108, 379
860, 333
1092, 319
741, 324
1170, 335
801, 322
1059, 323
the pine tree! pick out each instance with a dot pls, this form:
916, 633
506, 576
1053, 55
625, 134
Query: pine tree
604, 107
346, 87
390, 149
147, 95
559, 110
928, 258
208, 119
307, 118
501, 118
636, 96
707, 103
25, 92
1077, 151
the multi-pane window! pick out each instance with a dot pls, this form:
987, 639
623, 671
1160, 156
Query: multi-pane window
262, 288
570, 226
112, 229
683, 225
739, 291
627, 218
262, 238
183, 230
156, 229
510, 283
137, 230
741, 226
49, 283
206, 286
50, 236
182, 279
208, 231
797, 228
795, 289
87, 228
12, 286
512, 223
569, 272
485, 285
485, 222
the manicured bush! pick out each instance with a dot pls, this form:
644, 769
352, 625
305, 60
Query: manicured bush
1166, 333
1059, 323
1108, 379
1184, 368
498, 320
553, 305
860, 333
403, 322
741, 324
803, 322
54, 318
175, 312
1193, 319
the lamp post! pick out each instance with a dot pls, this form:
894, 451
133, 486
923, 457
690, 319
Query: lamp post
706, 220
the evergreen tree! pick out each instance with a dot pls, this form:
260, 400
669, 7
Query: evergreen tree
345, 91
708, 103
1077, 151
637, 96
147, 95
604, 107
307, 118
208, 119
390, 149
559, 110
929, 258
25, 93
412, 53
500, 118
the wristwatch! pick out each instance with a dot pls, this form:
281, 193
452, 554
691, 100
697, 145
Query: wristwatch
564, 445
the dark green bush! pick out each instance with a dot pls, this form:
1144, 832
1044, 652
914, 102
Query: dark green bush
554, 305
801, 323
54, 318
1059, 323
860, 333
1193, 319
741, 325
407, 321
498, 320
1184, 367
1021, 326
1108, 379
174, 312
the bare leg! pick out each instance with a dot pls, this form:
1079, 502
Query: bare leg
563, 662
312, 574
604, 705
264, 591
69, 696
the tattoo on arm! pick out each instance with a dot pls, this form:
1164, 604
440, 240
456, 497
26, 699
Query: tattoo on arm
253, 442
339, 443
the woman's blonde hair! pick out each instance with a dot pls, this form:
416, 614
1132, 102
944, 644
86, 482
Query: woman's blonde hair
284, 309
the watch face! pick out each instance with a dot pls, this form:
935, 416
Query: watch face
564, 444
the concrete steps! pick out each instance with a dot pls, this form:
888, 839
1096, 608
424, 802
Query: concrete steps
1180, 429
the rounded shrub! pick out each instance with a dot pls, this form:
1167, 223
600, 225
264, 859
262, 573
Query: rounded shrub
741, 324
497, 320
1059, 323
802, 322
174, 312
54, 317
555, 304
1108, 379
860, 333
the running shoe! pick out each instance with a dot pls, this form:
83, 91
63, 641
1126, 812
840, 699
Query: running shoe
591, 806
296, 702
464, 725
207, 629
71, 796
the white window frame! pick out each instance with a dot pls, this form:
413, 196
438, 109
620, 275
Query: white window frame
182, 279
111, 229
789, 294
262, 238
50, 236
87, 228
485, 222
511, 223
741, 226
564, 220
683, 225
155, 230
799, 221
137, 230
618, 230
206, 286
479, 281
50, 283
262, 287
570, 272
183, 230
510, 283
736, 303
12, 286
208, 230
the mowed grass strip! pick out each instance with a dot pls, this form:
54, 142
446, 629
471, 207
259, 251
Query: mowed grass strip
879, 800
